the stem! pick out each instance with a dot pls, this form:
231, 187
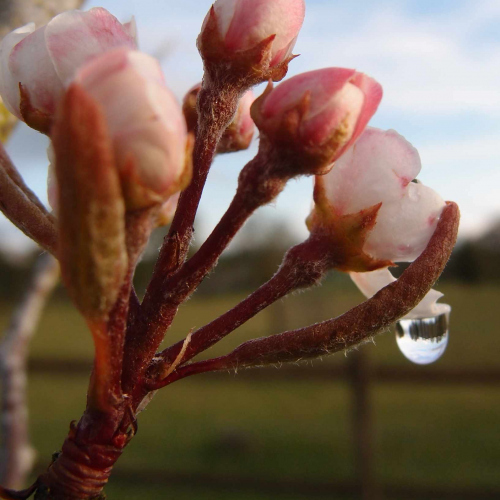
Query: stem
21, 206
106, 383
355, 326
17, 455
16, 177
303, 266
256, 187
88, 455
216, 108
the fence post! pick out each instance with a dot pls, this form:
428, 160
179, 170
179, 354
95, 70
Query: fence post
362, 424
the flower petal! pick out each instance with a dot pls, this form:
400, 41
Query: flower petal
74, 37
9, 84
378, 168
245, 23
370, 283
405, 226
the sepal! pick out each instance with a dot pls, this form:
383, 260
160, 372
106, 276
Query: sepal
91, 209
344, 236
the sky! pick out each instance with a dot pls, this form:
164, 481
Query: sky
437, 60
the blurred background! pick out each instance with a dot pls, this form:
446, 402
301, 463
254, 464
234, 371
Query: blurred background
367, 425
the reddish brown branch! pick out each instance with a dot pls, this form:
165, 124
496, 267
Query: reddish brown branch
16, 452
216, 108
259, 183
303, 266
21, 206
16, 177
357, 325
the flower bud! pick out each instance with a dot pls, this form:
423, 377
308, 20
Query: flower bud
251, 38
239, 133
144, 122
368, 205
36, 64
316, 116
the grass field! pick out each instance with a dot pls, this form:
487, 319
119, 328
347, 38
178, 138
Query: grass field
432, 436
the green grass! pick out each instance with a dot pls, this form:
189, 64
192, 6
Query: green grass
425, 435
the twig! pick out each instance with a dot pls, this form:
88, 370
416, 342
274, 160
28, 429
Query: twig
17, 454
21, 206
303, 266
360, 323
216, 109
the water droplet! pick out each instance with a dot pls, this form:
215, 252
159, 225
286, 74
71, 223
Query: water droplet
423, 340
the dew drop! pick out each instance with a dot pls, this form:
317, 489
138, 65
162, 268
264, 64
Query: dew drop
423, 340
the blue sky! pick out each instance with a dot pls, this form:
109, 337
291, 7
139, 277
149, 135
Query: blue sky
439, 64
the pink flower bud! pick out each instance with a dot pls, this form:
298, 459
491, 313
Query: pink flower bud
144, 121
318, 115
239, 133
375, 177
370, 283
36, 65
245, 23
259, 34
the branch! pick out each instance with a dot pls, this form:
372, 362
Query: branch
303, 266
256, 187
21, 206
16, 452
357, 325
216, 108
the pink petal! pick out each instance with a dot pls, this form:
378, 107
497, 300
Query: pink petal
373, 95
31, 66
321, 85
376, 169
9, 84
74, 37
405, 226
144, 118
245, 23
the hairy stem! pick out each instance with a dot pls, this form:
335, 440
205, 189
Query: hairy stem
216, 108
303, 266
357, 325
21, 206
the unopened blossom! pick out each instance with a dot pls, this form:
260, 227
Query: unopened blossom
369, 205
37, 64
261, 33
239, 133
144, 121
317, 115
370, 283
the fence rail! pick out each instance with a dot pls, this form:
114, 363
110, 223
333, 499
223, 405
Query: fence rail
382, 374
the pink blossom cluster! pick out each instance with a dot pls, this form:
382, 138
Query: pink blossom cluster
127, 157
